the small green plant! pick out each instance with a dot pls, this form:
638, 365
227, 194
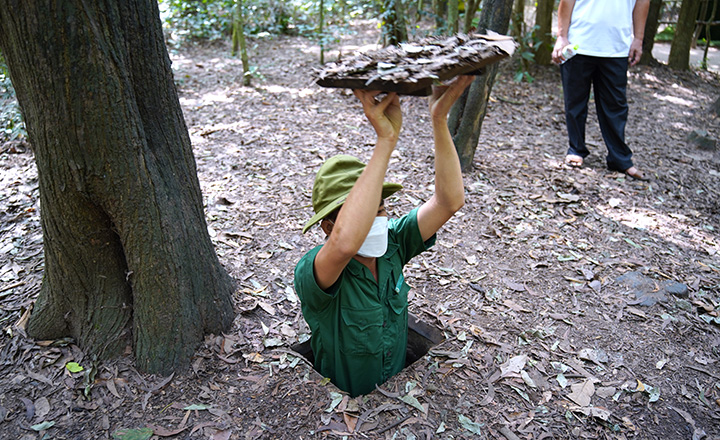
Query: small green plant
526, 55
667, 34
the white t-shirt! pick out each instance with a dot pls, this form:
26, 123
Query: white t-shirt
602, 28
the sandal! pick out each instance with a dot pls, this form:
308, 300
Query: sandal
574, 160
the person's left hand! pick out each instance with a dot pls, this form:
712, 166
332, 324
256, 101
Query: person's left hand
635, 51
443, 97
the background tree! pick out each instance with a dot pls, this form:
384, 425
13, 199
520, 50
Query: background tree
440, 9
466, 116
453, 15
518, 20
679, 57
128, 259
707, 31
394, 25
543, 31
321, 29
651, 28
471, 7
238, 40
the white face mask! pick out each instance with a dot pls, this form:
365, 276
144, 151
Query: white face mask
376, 241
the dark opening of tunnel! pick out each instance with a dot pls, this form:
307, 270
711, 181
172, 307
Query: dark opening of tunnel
421, 338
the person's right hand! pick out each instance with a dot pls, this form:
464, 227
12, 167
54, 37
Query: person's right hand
385, 115
557, 49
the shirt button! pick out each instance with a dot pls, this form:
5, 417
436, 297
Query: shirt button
384, 323
388, 353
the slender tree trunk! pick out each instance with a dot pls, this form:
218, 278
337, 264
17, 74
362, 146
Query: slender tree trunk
699, 27
440, 12
394, 27
543, 32
453, 16
679, 57
651, 28
128, 259
518, 20
239, 41
471, 7
466, 116
321, 29
707, 33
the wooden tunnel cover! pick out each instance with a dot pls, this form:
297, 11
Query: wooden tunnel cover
412, 68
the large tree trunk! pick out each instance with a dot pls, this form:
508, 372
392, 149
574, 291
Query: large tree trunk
466, 116
679, 57
651, 28
543, 32
127, 255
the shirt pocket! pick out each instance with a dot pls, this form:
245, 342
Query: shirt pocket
362, 330
398, 297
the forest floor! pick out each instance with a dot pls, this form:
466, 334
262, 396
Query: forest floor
575, 303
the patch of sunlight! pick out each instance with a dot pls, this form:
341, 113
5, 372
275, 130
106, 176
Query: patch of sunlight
190, 102
669, 227
206, 99
674, 100
683, 90
212, 97
295, 92
177, 59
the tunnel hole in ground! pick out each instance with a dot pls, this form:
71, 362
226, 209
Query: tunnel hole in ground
421, 338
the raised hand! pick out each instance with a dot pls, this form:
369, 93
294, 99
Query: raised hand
443, 97
385, 115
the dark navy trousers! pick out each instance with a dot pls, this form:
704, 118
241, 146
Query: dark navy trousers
608, 78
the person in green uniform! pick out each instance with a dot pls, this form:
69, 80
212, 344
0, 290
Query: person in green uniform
352, 290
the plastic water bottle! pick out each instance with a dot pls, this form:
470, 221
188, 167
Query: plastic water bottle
569, 51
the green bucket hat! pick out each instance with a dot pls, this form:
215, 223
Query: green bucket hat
333, 183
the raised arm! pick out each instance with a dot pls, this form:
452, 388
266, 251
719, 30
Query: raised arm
449, 194
361, 206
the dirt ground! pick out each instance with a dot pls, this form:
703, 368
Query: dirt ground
575, 303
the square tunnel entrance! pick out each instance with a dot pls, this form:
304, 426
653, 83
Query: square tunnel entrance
421, 338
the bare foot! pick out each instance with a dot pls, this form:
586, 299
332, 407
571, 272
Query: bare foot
574, 160
636, 174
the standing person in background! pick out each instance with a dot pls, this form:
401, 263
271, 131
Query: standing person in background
352, 289
608, 35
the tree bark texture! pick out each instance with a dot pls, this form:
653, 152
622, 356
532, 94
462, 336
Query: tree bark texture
651, 28
127, 255
543, 32
679, 57
453, 15
394, 26
467, 114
